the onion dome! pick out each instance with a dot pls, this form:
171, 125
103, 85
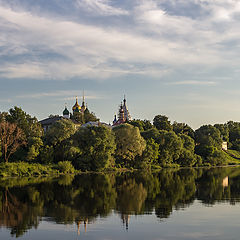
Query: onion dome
76, 107
65, 112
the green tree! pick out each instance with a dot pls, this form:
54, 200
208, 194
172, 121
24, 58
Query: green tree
57, 138
59, 131
129, 144
183, 128
143, 125
89, 117
78, 117
161, 122
170, 147
30, 125
31, 129
96, 146
234, 135
224, 131
208, 144
34, 146
149, 156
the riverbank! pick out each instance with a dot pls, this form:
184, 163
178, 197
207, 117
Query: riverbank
23, 169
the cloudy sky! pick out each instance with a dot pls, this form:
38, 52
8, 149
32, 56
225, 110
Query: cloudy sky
179, 58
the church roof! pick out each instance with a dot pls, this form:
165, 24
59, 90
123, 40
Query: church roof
65, 112
76, 107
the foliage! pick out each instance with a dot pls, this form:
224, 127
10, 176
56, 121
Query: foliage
89, 117
34, 146
170, 147
129, 144
28, 124
11, 138
20, 169
47, 154
84, 117
65, 167
143, 125
224, 131
161, 122
149, 156
208, 135
96, 148
31, 128
59, 131
183, 128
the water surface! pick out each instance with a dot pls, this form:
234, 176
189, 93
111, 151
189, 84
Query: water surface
171, 204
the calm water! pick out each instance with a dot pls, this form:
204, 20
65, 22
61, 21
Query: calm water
185, 204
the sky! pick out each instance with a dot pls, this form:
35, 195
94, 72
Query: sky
178, 58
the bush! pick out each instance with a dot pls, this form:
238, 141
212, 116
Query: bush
65, 167
20, 169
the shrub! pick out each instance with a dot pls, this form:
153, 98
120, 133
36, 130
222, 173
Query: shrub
65, 167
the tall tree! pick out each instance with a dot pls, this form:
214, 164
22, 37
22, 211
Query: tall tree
183, 128
96, 148
129, 144
161, 122
11, 138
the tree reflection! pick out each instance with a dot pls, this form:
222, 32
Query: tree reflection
81, 199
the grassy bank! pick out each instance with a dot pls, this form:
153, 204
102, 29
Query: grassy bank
23, 169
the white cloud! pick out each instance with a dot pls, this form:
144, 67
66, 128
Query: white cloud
160, 43
101, 7
64, 94
193, 82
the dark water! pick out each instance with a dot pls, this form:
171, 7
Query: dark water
184, 204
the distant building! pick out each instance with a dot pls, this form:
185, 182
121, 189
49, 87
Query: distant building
47, 123
123, 114
225, 182
224, 146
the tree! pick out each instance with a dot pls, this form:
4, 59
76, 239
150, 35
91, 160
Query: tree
59, 131
84, 117
143, 125
96, 148
209, 141
89, 117
78, 116
234, 134
170, 147
11, 138
183, 128
161, 122
58, 141
129, 144
149, 156
30, 125
224, 131
151, 134
31, 129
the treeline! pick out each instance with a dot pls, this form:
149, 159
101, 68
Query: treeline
138, 144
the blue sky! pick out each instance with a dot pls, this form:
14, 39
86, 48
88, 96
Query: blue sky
178, 58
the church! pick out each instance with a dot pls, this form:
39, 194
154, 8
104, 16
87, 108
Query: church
81, 116
77, 110
123, 114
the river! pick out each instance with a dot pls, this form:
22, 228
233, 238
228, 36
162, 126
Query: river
171, 204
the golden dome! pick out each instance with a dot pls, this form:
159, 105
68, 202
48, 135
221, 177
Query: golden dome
76, 107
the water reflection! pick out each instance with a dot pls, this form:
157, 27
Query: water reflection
81, 199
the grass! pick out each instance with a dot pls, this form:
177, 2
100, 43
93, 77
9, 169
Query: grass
234, 153
24, 169
232, 157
